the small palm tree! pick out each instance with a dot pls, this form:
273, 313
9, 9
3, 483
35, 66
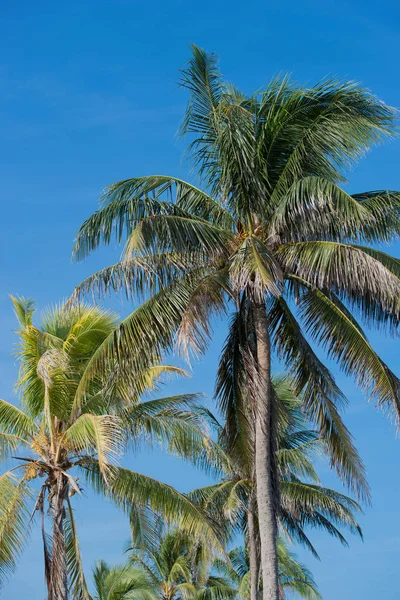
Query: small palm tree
73, 423
179, 565
183, 568
121, 583
303, 501
273, 233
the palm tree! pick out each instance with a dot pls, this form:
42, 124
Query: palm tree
274, 234
70, 424
121, 583
179, 565
303, 501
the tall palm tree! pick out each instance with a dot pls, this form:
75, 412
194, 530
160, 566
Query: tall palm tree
303, 501
273, 233
70, 424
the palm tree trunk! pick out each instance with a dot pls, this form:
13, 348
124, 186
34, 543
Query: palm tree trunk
58, 574
264, 459
254, 562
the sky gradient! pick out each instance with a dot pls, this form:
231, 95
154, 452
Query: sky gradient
88, 96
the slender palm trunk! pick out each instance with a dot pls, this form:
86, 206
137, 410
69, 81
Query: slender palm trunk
254, 562
264, 459
58, 572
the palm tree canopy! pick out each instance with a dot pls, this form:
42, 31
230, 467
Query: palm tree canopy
121, 583
271, 223
179, 565
72, 424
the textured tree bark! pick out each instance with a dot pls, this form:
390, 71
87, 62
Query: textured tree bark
264, 459
58, 572
254, 562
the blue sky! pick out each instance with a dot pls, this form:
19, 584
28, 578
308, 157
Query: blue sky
88, 96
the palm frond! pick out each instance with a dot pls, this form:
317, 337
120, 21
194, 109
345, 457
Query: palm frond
327, 323
139, 339
24, 309
355, 275
14, 521
77, 582
9, 444
384, 206
127, 487
102, 434
15, 422
321, 396
294, 576
166, 233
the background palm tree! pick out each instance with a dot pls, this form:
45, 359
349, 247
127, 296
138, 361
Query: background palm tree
303, 502
70, 424
121, 583
274, 233
179, 565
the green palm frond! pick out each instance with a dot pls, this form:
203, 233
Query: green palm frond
316, 207
331, 125
77, 581
321, 396
384, 206
24, 309
307, 499
127, 487
326, 322
101, 434
14, 521
15, 422
354, 274
139, 339
294, 576
9, 444
166, 232
206, 301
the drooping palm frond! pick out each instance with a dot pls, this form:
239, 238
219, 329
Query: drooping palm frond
295, 577
321, 396
14, 521
354, 274
127, 487
77, 581
327, 322
102, 434
15, 422
384, 206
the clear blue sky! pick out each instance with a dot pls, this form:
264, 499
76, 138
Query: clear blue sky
88, 96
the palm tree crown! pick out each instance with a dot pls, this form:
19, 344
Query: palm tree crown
70, 424
274, 221
274, 235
